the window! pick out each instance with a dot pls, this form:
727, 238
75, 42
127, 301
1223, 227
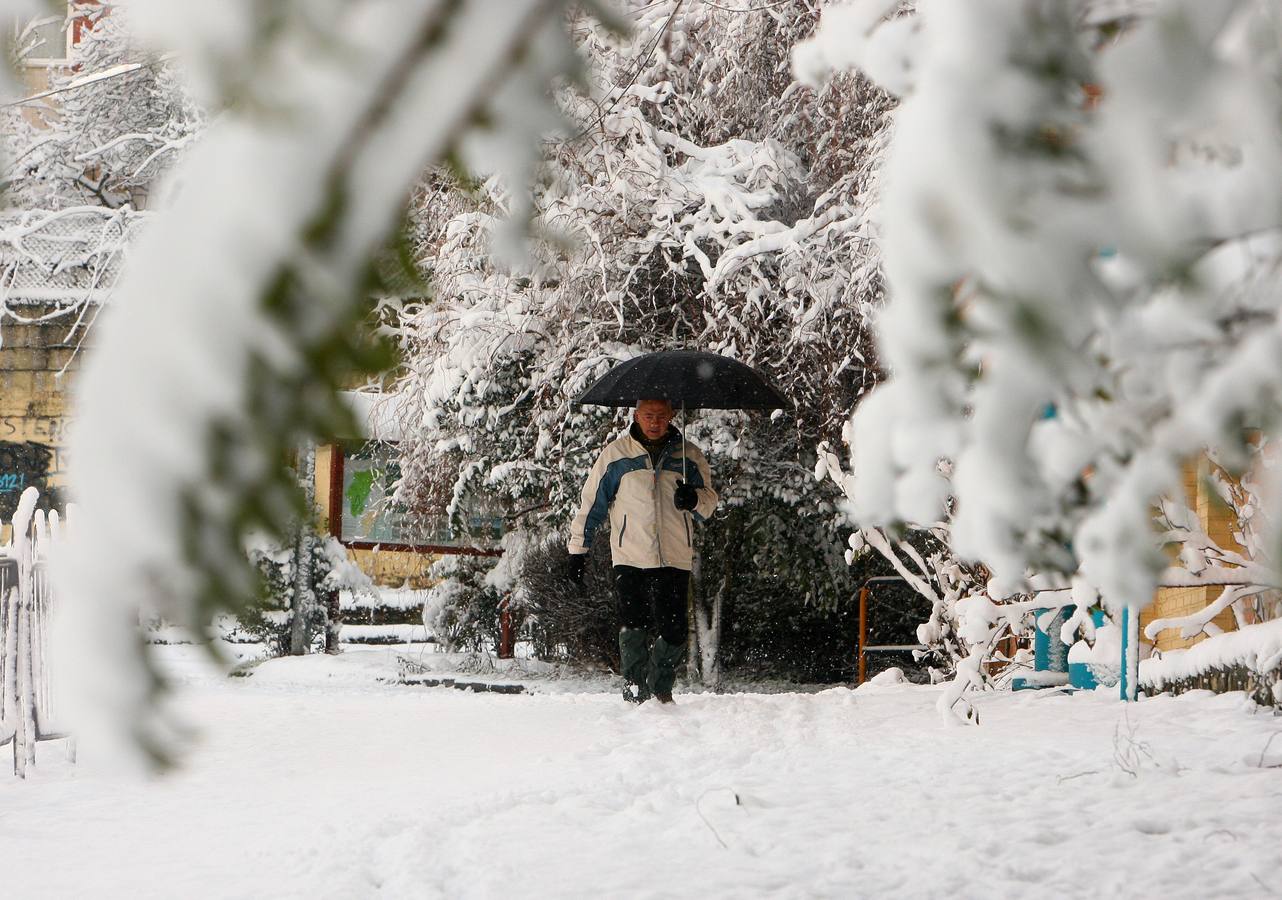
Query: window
44, 41
47, 41
370, 473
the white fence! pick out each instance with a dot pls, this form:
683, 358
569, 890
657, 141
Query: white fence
26, 605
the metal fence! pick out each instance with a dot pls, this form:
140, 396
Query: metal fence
26, 604
889, 612
68, 256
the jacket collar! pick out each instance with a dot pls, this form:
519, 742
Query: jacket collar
673, 437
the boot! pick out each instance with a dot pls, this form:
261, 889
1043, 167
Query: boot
634, 658
663, 668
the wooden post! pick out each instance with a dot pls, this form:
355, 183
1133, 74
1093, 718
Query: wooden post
863, 631
335, 524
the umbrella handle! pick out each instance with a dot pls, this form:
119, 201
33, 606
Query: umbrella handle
683, 441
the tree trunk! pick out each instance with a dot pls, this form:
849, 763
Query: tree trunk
708, 625
333, 622
304, 600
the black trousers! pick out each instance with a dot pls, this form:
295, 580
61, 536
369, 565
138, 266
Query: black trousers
653, 599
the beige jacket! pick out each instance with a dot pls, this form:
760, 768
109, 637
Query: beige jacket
646, 529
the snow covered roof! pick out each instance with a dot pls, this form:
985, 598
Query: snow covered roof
66, 256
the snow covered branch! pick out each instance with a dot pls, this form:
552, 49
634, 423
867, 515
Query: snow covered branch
1083, 291
700, 199
290, 196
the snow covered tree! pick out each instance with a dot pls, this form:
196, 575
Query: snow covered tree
1080, 242
701, 197
275, 615
324, 114
77, 158
462, 608
561, 622
115, 120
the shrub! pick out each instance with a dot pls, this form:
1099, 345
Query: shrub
269, 619
461, 609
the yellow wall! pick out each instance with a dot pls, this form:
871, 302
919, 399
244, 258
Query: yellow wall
324, 459
34, 398
394, 568
1218, 520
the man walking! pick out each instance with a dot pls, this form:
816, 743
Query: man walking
653, 487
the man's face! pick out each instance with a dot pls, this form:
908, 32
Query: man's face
653, 416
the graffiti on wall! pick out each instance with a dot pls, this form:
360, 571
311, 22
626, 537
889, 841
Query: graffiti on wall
38, 429
23, 465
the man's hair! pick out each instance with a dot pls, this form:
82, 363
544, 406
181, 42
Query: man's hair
671, 406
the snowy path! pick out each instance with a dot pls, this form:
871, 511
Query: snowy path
354, 789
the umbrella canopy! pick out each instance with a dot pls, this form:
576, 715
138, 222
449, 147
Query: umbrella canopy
692, 379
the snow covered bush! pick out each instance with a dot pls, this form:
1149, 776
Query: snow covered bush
774, 578
1246, 564
270, 618
922, 556
1081, 247
562, 621
805, 642
461, 610
1249, 660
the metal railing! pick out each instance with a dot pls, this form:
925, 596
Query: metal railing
864, 647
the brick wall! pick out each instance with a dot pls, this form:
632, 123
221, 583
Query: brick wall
38, 362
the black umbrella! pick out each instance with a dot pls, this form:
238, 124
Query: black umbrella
691, 379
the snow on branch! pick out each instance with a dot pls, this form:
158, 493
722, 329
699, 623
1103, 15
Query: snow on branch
702, 198
57, 265
112, 121
266, 263
1083, 253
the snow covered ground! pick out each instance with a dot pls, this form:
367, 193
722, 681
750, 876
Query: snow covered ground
315, 779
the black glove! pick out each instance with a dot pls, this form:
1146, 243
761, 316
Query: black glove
686, 497
574, 568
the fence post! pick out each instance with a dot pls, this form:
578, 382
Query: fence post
24, 746
9, 677
1129, 682
863, 633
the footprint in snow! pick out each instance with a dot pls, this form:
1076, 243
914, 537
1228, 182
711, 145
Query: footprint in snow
1152, 826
